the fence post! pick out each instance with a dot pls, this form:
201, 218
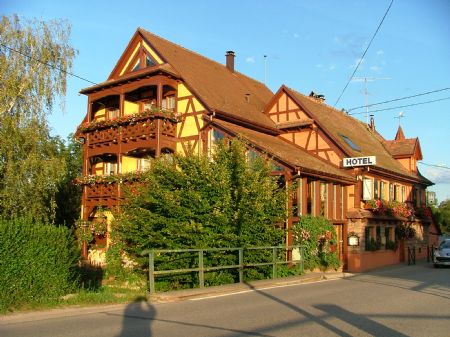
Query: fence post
241, 265
274, 262
151, 271
201, 274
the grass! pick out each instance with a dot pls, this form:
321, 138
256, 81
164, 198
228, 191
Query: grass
92, 289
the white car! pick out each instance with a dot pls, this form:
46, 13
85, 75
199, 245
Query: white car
441, 256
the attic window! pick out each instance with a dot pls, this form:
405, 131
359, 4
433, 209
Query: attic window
351, 144
136, 65
148, 61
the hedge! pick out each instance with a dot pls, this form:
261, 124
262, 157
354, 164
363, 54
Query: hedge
37, 263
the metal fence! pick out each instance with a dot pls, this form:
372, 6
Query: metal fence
288, 251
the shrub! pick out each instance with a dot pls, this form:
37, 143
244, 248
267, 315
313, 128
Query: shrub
316, 235
37, 263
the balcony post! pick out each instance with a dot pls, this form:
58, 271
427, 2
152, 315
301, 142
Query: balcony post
122, 104
159, 96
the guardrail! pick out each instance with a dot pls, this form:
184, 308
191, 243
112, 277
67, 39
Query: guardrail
240, 266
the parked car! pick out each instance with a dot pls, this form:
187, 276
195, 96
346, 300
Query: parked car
441, 256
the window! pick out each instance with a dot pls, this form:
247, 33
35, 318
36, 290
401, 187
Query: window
403, 194
350, 143
382, 192
376, 194
391, 191
367, 189
136, 66
168, 103
217, 135
310, 198
113, 113
143, 164
148, 61
109, 168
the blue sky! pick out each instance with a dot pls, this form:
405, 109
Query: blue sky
310, 45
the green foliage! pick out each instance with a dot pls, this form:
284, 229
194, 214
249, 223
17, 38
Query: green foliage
317, 236
441, 216
31, 167
195, 202
68, 195
37, 263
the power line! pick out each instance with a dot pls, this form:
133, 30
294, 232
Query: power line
47, 64
364, 54
398, 99
403, 106
434, 165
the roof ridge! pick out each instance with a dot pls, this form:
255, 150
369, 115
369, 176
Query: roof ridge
322, 104
200, 55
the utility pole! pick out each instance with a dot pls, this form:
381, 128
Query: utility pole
366, 92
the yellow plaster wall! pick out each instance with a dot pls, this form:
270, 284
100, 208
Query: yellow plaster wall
129, 164
322, 144
101, 112
97, 169
130, 108
182, 91
334, 158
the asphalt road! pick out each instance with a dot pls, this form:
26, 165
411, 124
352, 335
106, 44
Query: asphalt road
395, 301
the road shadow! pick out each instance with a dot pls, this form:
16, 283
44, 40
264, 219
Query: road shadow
363, 323
359, 321
137, 319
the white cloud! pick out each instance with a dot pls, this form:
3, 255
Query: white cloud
375, 69
380, 52
319, 66
296, 35
331, 67
250, 59
439, 176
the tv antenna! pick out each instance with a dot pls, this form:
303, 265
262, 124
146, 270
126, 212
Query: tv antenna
366, 92
401, 114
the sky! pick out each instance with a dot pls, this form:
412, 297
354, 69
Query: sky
309, 46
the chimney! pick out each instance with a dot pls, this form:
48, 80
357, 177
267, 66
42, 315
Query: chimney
230, 60
372, 123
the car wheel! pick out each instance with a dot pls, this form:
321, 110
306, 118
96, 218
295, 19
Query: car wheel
436, 265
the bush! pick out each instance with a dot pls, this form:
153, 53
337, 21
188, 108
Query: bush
316, 235
37, 263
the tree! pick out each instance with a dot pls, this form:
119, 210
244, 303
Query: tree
195, 202
68, 196
35, 57
441, 215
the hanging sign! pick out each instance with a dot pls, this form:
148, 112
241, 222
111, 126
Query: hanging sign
359, 161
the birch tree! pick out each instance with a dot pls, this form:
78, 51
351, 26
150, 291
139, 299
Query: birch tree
35, 57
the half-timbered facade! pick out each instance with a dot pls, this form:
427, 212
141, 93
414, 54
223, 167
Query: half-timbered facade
162, 98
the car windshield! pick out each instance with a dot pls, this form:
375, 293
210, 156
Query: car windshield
444, 244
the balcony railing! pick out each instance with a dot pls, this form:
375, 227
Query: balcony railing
154, 113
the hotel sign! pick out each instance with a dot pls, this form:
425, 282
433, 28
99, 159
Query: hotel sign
359, 161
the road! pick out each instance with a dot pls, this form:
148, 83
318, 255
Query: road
394, 301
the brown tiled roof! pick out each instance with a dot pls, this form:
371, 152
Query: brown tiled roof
286, 152
295, 124
218, 87
338, 124
404, 147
